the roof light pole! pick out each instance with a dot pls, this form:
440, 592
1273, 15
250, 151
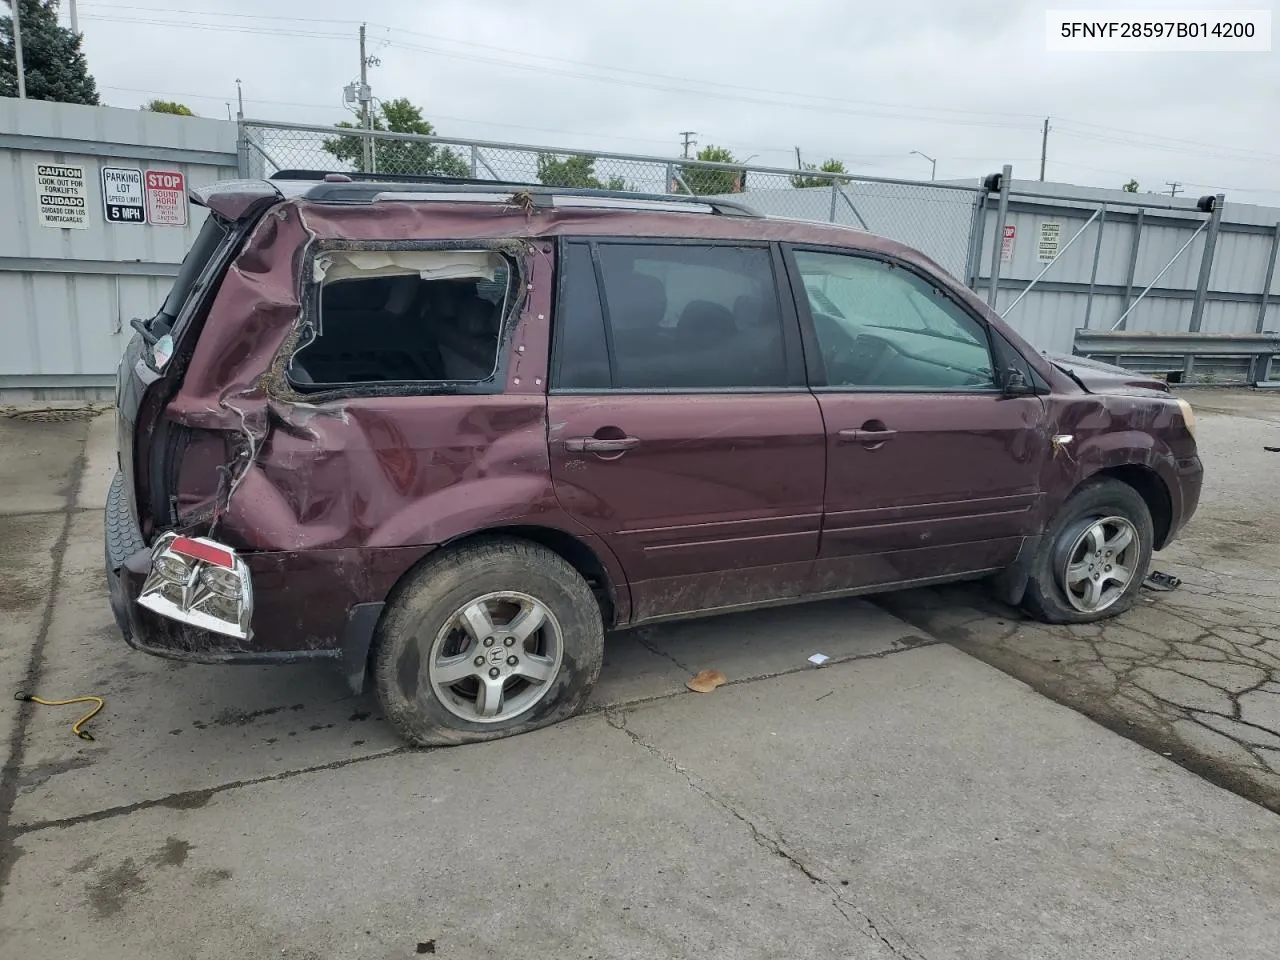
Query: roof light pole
933, 164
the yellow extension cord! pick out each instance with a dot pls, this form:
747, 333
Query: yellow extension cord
98, 704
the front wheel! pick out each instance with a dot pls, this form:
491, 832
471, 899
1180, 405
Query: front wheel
487, 640
1094, 556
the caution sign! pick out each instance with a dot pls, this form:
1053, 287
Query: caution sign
61, 198
166, 198
1048, 244
122, 195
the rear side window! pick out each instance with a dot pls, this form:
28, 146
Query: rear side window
403, 317
669, 316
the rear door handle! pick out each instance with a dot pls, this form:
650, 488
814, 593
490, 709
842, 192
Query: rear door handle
595, 445
868, 437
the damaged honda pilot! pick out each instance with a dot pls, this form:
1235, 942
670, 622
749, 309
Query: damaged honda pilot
449, 434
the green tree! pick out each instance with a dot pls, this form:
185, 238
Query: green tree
1131, 187
710, 183
574, 171
54, 67
830, 166
399, 156
169, 106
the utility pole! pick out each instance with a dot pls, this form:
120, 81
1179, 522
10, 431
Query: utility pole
799, 165
688, 141
366, 115
17, 49
239, 101
75, 18
1044, 147
1175, 187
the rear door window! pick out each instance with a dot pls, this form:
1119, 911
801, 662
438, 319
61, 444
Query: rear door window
669, 316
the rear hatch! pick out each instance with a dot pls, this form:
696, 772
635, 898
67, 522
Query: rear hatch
156, 356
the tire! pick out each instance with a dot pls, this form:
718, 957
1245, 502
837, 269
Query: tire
435, 696
1095, 516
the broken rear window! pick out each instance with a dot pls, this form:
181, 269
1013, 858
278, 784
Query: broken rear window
404, 316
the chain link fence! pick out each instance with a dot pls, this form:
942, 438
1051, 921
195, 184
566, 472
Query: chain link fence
937, 219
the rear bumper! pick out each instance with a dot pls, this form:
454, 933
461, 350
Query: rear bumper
128, 561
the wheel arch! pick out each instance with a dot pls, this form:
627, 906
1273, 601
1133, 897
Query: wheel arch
604, 584
1153, 490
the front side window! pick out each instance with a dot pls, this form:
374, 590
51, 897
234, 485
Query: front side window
675, 317
404, 316
879, 326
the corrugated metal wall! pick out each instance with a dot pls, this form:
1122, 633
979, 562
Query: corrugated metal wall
1060, 303
66, 295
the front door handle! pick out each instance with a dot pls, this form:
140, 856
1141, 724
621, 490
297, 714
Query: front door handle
869, 438
597, 445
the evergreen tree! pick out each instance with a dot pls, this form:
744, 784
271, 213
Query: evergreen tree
54, 67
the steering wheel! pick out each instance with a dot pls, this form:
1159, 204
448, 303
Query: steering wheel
887, 353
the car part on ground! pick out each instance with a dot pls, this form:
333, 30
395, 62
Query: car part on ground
78, 727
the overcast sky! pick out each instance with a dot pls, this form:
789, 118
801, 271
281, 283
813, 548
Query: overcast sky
966, 81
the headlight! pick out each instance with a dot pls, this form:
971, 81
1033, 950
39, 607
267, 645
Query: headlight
1188, 416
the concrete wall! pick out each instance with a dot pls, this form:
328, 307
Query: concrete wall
66, 295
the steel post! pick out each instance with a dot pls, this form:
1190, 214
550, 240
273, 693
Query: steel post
973, 256
242, 151
1133, 257
1266, 283
997, 240
1093, 272
1206, 263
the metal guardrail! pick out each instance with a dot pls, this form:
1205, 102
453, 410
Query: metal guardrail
1115, 346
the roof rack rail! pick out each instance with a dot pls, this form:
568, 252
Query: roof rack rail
343, 176
367, 188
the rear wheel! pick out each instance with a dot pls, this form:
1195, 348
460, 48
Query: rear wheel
1094, 556
487, 640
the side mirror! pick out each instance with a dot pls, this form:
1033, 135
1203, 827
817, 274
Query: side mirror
1015, 384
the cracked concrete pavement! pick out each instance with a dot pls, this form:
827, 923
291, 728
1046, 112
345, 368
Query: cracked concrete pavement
1193, 673
905, 801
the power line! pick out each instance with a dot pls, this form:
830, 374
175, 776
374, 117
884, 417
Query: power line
807, 101
1116, 135
400, 31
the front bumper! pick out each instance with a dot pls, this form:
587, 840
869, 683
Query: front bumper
1189, 479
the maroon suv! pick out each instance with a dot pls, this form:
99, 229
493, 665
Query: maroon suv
449, 434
